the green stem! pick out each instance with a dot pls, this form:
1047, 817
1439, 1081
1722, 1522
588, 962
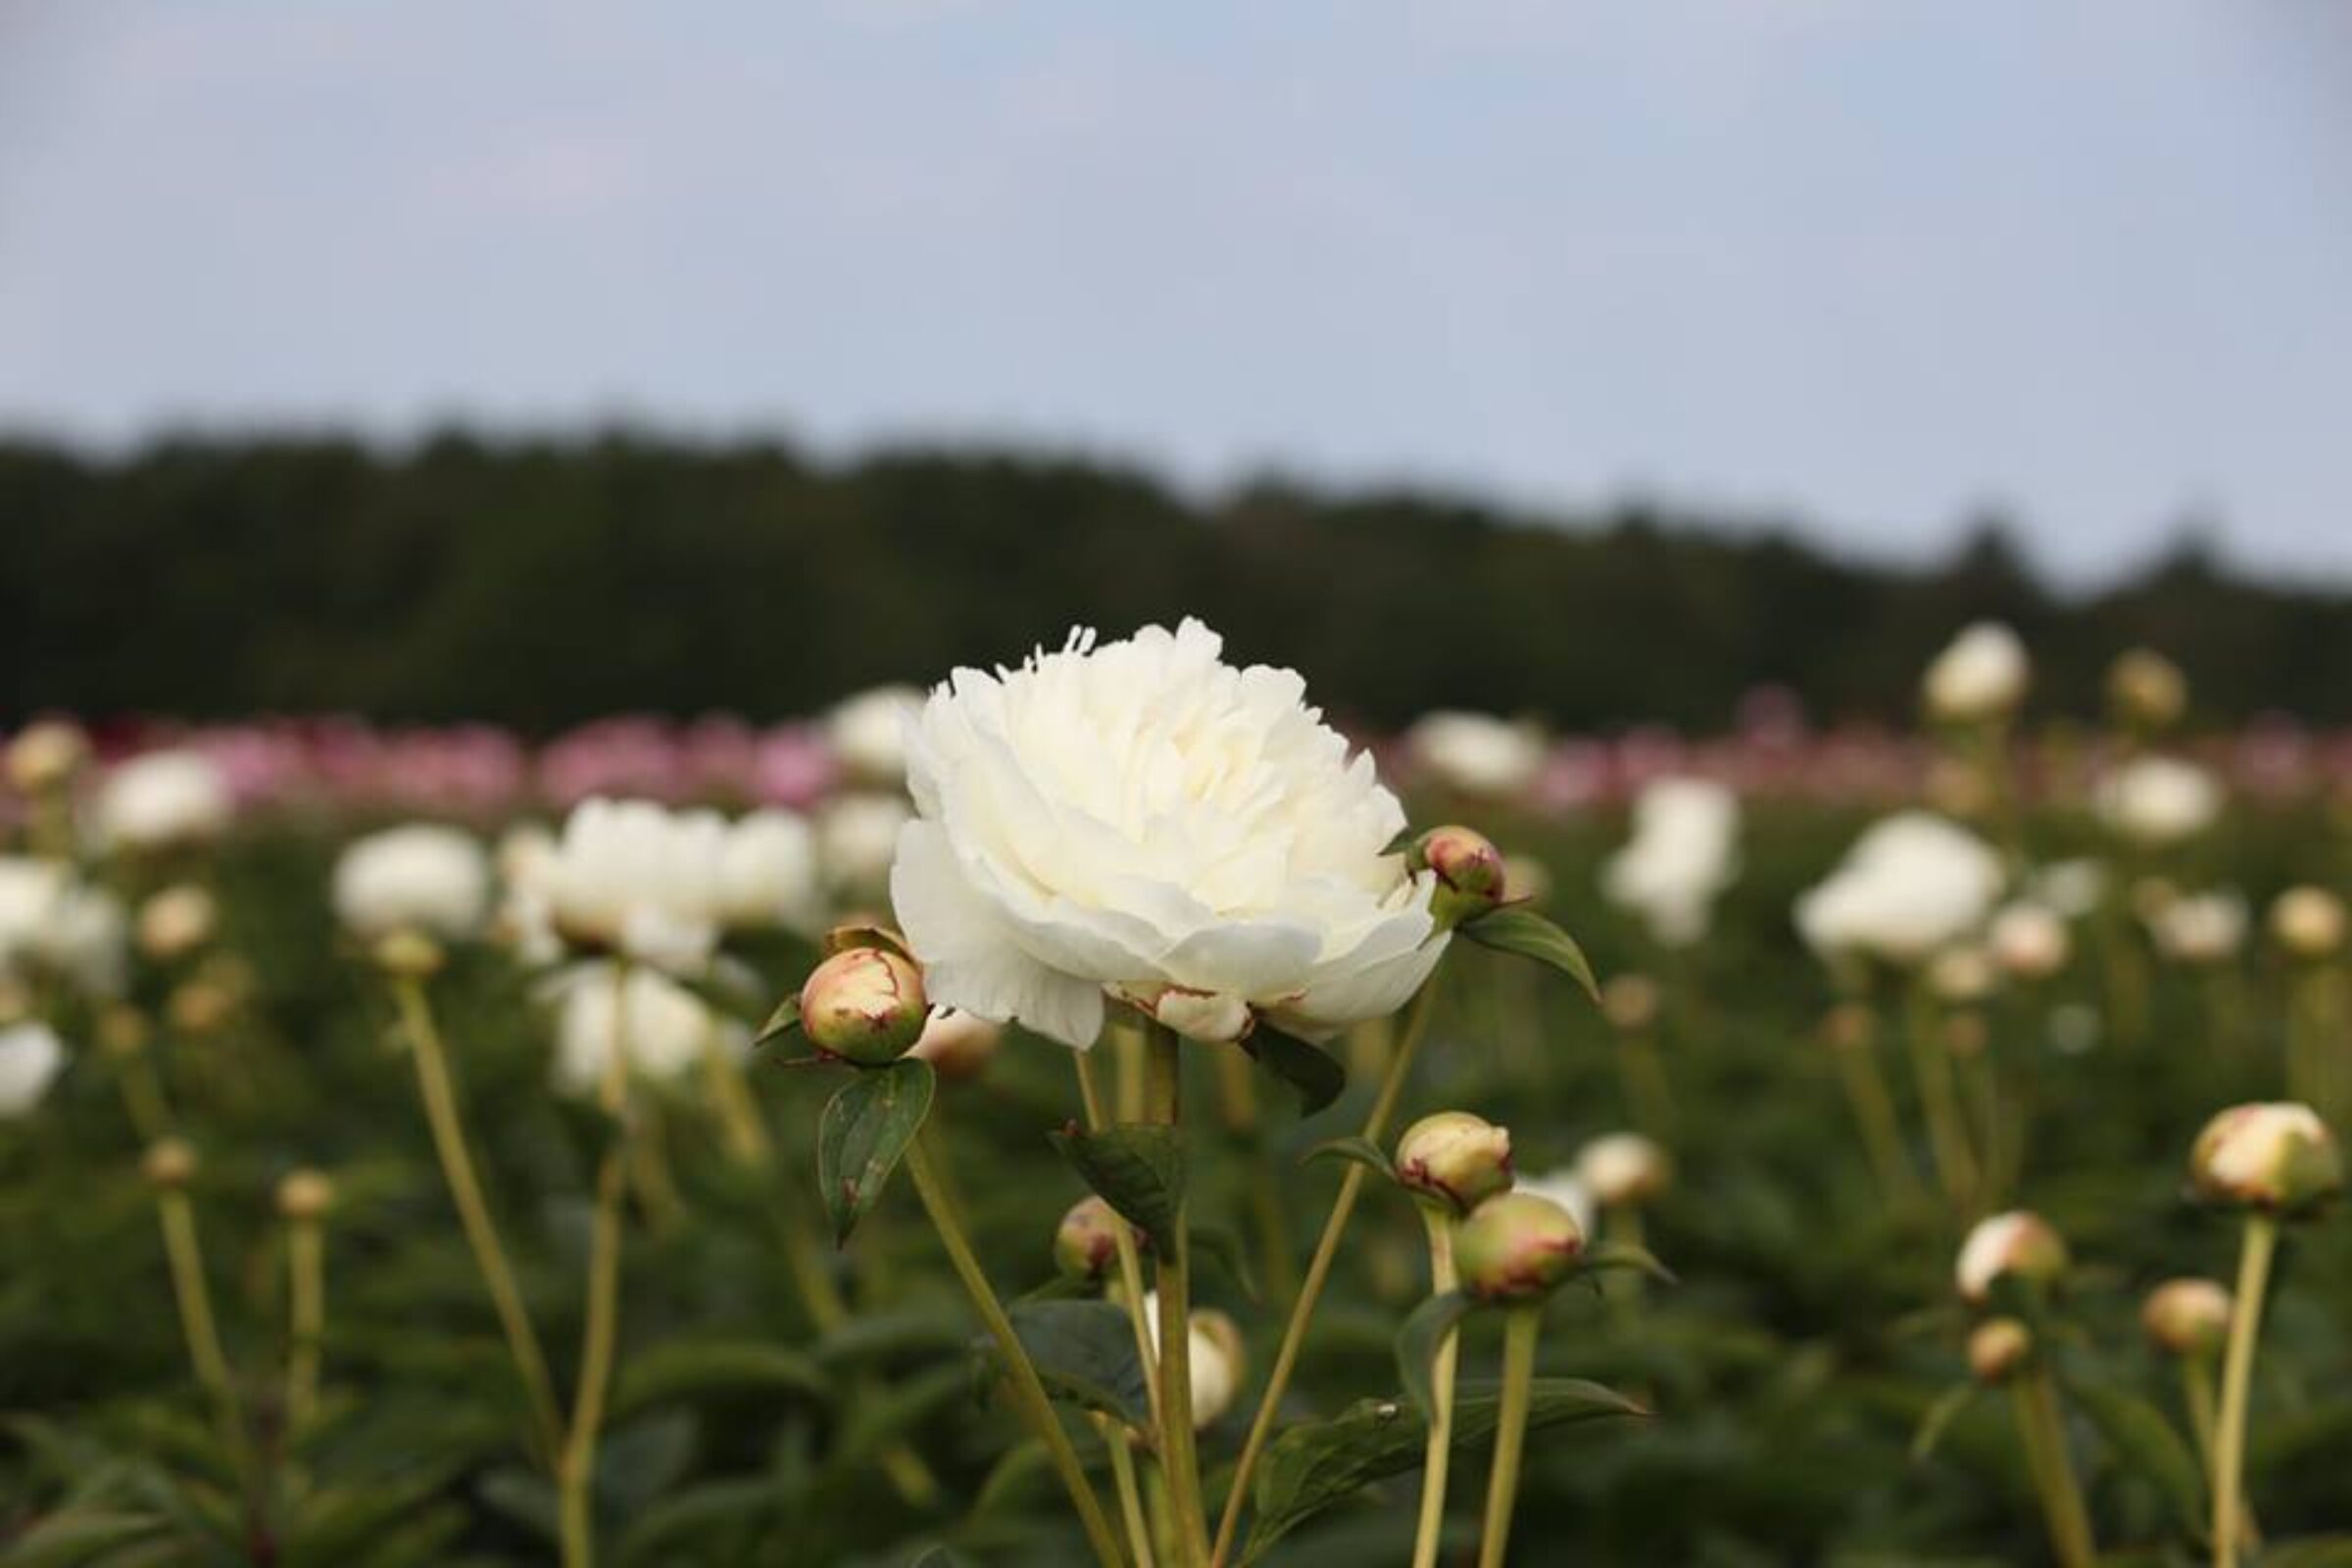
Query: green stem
1318, 1270
2237, 1376
1947, 1131
442, 1116
600, 1331
2196, 1392
197, 1323
1131, 1498
1440, 1450
1874, 1113
306, 1271
2062, 1495
1520, 1326
1028, 1392
1131, 1265
1179, 1450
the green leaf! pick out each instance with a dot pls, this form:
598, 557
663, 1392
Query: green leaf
1354, 1146
1084, 1351
1137, 1168
1404, 840
1225, 1249
1315, 1465
783, 1021
1421, 1337
1514, 928
864, 1130
697, 1368
2144, 1443
1625, 1257
1313, 1072
1938, 1418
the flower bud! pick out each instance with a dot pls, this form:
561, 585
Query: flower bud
177, 921
408, 955
170, 1164
1998, 1347
1630, 1001
958, 1045
2029, 941
305, 1196
1455, 1158
2147, 690
1213, 1017
1469, 872
1220, 1363
1516, 1247
45, 756
2188, 1317
1086, 1240
2018, 1245
1624, 1170
2308, 922
2278, 1157
865, 1005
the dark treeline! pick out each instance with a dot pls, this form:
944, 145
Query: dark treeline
539, 583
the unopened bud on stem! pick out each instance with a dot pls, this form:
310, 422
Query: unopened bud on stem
1456, 1159
1516, 1247
1469, 872
864, 1006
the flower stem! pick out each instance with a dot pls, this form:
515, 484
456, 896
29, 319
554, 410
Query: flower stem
1947, 1128
1028, 1392
1520, 1326
306, 1282
197, 1323
1441, 1278
2045, 1437
600, 1329
1131, 1266
2237, 1375
1131, 1498
1179, 1453
1318, 1268
442, 1116
1874, 1113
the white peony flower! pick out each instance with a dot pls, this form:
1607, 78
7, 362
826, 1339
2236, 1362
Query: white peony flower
1477, 754
2072, 888
2159, 800
669, 1027
1913, 884
51, 920
634, 877
163, 799
1981, 676
2200, 928
868, 732
1142, 814
30, 1056
1684, 850
419, 877
768, 871
858, 840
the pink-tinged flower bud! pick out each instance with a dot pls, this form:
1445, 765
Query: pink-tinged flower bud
45, 756
2278, 1157
1087, 1241
864, 1006
1998, 1347
1456, 1159
1469, 872
305, 1196
1213, 1017
1630, 1001
2308, 922
1516, 1247
2147, 690
170, 1164
177, 921
2188, 1317
2017, 1245
958, 1045
1624, 1170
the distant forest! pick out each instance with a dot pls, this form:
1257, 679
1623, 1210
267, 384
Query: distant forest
538, 583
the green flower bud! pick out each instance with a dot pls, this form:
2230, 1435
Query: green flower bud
305, 1196
2017, 1245
2188, 1317
170, 1164
864, 1006
1469, 872
2278, 1157
1456, 1159
1516, 1247
1998, 1347
1087, 1241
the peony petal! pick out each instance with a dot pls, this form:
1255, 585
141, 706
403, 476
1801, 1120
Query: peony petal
969, 958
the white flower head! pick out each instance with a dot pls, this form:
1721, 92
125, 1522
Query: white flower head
858, 840
163, 799
2200, 928
634, 877
767, 872
30, 1056
1140, 815
1477, 754
868, 732
1913, 884
667, 1028
2159, 800
53, 922
2029, 941
419, 877
1982, 675
1684, 850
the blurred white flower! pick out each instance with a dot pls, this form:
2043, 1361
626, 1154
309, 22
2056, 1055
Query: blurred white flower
1911, 885
2029, 941
1141, 813
52, 920
858, 839
1214, 1348
634, 877
1477, 754
1981, 676
868, 732
669, 1027
1567, 1187
2308, 921
2017, 1245
418, 877
30, 1056
2072, 888
2159, 800
1621, 1170
524, 922
768, 871
176, 920
1683, 851
2200, 928
163, 799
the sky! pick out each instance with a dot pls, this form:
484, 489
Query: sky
1873, 265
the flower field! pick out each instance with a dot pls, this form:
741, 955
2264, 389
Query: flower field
1098, 1114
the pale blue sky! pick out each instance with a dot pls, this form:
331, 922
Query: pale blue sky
1871, 262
